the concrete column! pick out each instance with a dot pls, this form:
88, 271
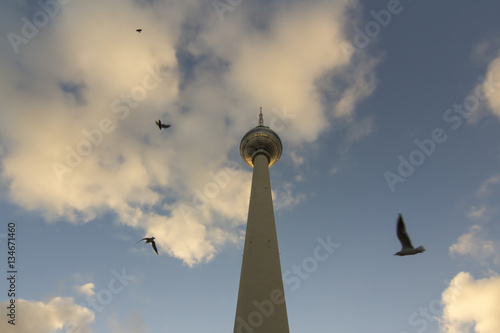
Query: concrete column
261, 304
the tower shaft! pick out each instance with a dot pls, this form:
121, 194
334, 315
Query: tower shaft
261, 306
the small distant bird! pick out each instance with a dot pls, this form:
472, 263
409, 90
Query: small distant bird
407, 248
160, 125
150, 240
139, 30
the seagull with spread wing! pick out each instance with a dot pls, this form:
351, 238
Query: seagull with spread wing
160, 125
407, 248
150, 240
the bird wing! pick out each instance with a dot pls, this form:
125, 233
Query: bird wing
403, 235
165, 126
154, 246
142, 240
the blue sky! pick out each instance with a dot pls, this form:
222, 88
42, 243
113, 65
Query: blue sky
383, 107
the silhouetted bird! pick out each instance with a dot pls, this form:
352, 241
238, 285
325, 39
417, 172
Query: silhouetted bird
139, 30
407, 248
150, 240
160, 125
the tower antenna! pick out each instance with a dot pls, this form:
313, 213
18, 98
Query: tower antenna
261, 118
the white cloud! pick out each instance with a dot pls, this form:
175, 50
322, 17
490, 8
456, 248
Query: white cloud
134, 323
492, 85
59, 314
471, 304
286, 198
292, 61
476, 247
90, 83
296, 158
299, 177
477, 212
333, 171
360, 129
486, 50
487, 184
360, 82
87, 289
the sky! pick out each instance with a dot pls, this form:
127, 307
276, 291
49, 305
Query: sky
383, 107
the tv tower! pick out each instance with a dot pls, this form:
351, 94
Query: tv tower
261, 306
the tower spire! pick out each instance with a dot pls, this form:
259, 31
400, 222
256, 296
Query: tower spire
261, 118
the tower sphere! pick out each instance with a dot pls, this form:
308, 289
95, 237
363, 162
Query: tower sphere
260, 140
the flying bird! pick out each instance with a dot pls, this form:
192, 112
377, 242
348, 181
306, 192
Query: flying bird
150, 240
407, 248
139, 30
160, 125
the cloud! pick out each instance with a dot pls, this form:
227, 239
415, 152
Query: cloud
486, 50
476, 247
360, 129
333, 171
487, 184
477, 212
470, 303
286, 198
134, 323
83, 95
297, 160
98, 58
86, 289
491, 86
59, 314
295, 61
